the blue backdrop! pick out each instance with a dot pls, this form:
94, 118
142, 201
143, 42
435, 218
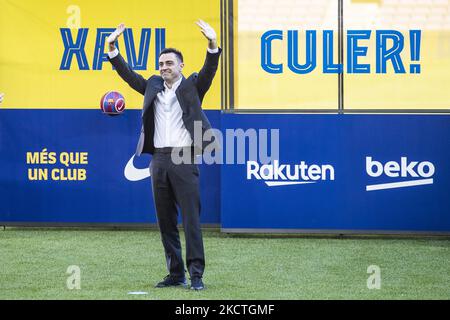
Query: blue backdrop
340, 151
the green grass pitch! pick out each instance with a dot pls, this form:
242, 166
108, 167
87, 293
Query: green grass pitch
34, 263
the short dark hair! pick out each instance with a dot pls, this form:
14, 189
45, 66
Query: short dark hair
172, 50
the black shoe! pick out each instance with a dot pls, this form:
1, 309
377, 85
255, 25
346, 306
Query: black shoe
170, 281
197, 284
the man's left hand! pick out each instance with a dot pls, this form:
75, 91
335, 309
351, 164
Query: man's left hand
209, 33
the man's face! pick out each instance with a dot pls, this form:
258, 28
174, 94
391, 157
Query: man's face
170, 67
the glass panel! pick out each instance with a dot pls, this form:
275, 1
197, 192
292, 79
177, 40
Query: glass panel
263, 30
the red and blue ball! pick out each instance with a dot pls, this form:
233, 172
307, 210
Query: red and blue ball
112, 103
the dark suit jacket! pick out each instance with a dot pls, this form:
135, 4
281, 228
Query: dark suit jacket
190, 95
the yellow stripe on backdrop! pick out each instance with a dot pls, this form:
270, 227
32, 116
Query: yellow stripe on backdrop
32, 48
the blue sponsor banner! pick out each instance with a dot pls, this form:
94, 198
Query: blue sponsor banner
333, 172
386, 173
68, 166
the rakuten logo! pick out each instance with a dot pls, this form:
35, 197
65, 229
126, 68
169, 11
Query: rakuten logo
287, 174
404, 169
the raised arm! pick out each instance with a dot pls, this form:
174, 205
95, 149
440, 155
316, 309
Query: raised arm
135, 80
208, 71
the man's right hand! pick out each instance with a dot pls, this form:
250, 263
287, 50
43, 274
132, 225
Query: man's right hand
113, 36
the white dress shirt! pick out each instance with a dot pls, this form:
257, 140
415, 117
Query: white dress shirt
169, 127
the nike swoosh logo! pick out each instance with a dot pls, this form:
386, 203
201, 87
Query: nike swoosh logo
135, 174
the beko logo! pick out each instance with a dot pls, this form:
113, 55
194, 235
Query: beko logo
287, 174
422, 171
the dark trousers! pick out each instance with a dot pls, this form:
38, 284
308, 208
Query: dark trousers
178, 186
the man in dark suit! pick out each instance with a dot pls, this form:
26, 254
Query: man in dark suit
171, 110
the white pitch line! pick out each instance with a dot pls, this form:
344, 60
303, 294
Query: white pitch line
137, 292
